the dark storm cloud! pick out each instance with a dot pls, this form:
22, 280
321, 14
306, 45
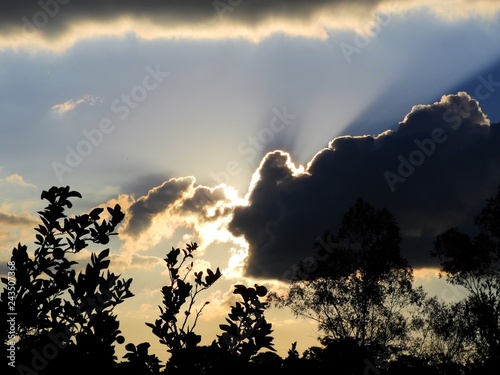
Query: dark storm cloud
177, 196
63, 13
434, 172
203, 199
56, 24
158, 199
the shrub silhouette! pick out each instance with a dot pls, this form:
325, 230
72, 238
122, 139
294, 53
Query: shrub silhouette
172, 328
246, 333
65, 317
247, 330
361, 294
139, 361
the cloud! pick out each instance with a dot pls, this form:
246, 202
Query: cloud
71, 104
434, 172
16, 180
158, 199
15, 228
16, 200
220, 304
175, 205
23, 219
53, 23
135, 261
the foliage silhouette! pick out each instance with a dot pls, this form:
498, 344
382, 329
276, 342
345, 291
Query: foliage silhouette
139, 361
173, 327
440, 336
246, 333
247, 330
64, 316
359, 294
473, 262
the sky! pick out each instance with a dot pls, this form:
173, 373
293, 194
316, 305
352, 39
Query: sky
250, 127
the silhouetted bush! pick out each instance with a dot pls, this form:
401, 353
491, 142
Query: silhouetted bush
64, 316
361, 295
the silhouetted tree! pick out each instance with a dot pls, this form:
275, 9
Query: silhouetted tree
359, 290
473, 262
440, 338
65, 316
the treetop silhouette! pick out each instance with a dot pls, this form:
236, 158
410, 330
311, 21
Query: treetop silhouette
361, 295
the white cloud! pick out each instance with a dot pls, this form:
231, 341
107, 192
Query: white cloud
17, 180
71, 104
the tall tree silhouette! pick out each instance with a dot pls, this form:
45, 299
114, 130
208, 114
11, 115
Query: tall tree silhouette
473, 262
441, 336
65, 316
361, 286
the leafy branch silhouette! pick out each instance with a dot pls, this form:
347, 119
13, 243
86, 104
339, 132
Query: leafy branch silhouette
172, 328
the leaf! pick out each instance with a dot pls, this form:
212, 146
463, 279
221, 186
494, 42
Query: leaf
74, 194
103, 254
42, 229
240, 289
45, 195
261, 290
95, 213
104, 264
212, 277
